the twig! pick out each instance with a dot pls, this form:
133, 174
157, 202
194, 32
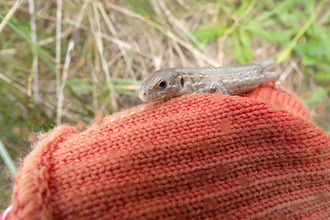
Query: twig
34, 70
166, 32
16, 85
108, 38
114, 33
58, 44
10, 14
60, 99
67, 61
184, 4
164, 22
99, 43
183, 59
95, 82
180, 27
23, 90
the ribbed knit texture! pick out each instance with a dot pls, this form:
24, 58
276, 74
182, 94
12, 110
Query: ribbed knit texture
198, 156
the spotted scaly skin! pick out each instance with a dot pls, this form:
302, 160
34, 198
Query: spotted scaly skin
231, 80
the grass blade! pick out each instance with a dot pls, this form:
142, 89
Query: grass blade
10, 14
7, 159
286, 53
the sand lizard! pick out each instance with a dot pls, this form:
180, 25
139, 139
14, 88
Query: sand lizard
230, 80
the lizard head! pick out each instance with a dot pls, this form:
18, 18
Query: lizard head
161, 85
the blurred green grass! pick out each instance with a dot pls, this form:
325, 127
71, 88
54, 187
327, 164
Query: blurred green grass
96, 61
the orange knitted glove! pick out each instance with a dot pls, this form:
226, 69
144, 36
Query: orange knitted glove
199, 156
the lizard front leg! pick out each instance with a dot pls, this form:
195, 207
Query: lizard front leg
215, 87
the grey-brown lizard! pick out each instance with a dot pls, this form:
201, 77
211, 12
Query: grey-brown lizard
231, 80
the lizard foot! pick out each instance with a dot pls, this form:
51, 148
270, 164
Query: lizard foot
279, 85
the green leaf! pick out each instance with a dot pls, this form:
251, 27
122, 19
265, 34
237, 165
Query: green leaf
237, 51
322, 76
311, 48
80, 86
245, 41
208, 33
280, 37
308, 61
310, 6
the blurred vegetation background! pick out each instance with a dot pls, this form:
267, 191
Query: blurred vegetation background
65, 61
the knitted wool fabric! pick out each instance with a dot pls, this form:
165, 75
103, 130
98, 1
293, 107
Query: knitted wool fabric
199, 156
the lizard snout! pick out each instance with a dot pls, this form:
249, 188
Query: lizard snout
143, 94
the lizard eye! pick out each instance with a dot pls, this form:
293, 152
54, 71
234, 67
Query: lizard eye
162, 84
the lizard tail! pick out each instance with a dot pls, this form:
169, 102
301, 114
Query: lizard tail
268, 64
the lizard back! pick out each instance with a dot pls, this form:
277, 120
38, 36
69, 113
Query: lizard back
237, 79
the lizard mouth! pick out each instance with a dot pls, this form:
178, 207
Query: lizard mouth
145, 97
